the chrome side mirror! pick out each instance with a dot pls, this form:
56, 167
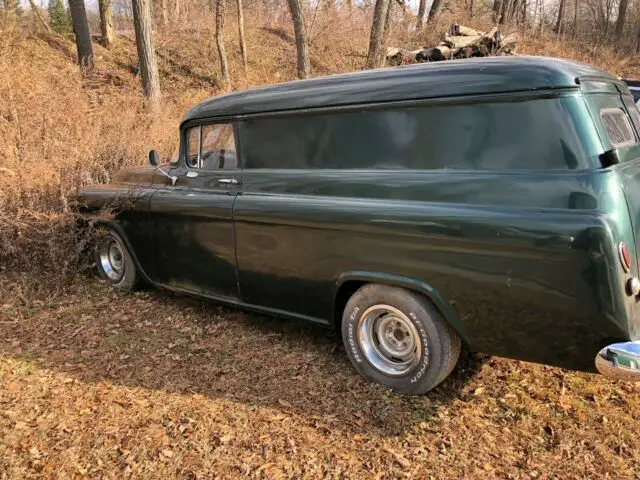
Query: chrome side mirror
154, 160
620, 361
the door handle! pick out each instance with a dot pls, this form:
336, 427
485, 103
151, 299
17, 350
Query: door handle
232, 181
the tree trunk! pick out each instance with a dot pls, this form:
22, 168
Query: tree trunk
10, 12
176, 11
165, 13
106, 22
301, 38
243, 45
575, 19
41, 21
224, 66
81, 31
421, 9
506, 10
497, 10
560, 16
435, 9
385, 35
516, 8
377, 32
146, 53
622, 18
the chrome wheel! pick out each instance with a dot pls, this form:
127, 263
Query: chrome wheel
389, 340
111, 257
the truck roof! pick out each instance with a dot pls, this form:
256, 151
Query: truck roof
410, 82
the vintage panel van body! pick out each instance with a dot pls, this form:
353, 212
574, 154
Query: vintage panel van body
490, 203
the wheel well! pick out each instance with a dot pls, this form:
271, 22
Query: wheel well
346, 290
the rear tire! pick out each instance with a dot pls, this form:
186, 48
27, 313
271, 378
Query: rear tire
398, 338
114, 262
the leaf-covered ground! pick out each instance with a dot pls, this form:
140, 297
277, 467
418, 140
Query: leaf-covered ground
152, 385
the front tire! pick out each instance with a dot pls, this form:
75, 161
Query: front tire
398, 338
114, 262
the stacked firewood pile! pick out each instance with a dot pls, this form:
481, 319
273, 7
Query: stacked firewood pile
458, 42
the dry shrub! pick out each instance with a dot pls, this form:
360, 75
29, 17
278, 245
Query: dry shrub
59, 131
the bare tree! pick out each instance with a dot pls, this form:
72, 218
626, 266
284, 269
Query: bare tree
106, 22
41, 21
243, 45
385, 34
302, 44
435, 9
224, 66
10, 12
165, 13
622, 18
81, 31
560, 19
497, 10
146, 53
421, 8
377, 32
505, 14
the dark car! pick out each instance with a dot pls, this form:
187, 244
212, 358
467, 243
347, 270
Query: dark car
489, 203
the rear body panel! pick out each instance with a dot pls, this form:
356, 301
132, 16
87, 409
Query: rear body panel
527, 261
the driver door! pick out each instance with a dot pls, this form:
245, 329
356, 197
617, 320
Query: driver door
193, 220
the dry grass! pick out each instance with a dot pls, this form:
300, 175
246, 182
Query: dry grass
95, 385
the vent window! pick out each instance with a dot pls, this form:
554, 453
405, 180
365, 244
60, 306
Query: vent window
616, 124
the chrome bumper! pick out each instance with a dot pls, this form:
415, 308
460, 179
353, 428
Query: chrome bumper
620, 361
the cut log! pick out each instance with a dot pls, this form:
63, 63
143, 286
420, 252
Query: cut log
460, 42
436, 54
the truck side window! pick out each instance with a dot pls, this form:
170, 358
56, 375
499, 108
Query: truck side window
218, 147
538, 134
212, 147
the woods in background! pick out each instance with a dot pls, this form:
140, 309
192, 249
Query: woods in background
594, 22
